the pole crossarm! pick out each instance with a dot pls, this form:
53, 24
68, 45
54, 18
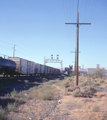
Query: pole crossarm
74, 52
79, 23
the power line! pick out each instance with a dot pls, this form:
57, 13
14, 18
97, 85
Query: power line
6, 42
5, 47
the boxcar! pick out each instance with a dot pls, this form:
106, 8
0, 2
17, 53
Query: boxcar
23, 66
42, 69
37, 68
46, 69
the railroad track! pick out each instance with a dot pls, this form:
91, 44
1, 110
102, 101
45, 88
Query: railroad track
30, 78
7, 84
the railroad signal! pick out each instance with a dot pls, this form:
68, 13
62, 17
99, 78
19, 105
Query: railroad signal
51, 56
57, 56
54, 61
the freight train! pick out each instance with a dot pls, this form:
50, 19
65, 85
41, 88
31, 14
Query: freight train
20, 66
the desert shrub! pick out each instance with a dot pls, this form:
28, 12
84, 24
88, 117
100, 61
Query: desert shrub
46, 86
53, 82
83, 84
100, 73
58, 82
36, 87
47, 95
67, 83
14, 93
26, 81
96, 84
78, 106
2, 114
45, 79
102, 81
7, 95
96, 109
45, 91
42, 91
92, 83
66, 113
75, 93
86, 91
40, 86
71, 89
21, 93
19, 101
12, 107
33, 94
72, 74
65, 78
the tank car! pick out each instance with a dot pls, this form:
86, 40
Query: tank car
7, 66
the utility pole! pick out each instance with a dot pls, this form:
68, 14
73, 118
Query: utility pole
77, 42
14, 51
75, 59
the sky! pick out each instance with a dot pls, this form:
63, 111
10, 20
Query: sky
37, 29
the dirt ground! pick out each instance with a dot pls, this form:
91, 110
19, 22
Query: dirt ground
63, 107
74, 108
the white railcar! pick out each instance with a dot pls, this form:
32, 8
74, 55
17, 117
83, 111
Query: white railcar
42, 69
37, 68
46, 69
23, 66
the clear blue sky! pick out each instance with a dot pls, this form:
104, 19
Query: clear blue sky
37, 28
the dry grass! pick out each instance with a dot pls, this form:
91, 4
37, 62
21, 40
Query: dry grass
38, 100
14, 93
12, 107
48, 95
47, 91
7, 95
78, 106
2, 114
96, 109
26, 81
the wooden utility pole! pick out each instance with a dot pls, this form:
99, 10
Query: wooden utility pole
75, 59
14, 51
77, 42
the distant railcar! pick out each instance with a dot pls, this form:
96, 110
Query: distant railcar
37, 68
42, 69
46, 70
